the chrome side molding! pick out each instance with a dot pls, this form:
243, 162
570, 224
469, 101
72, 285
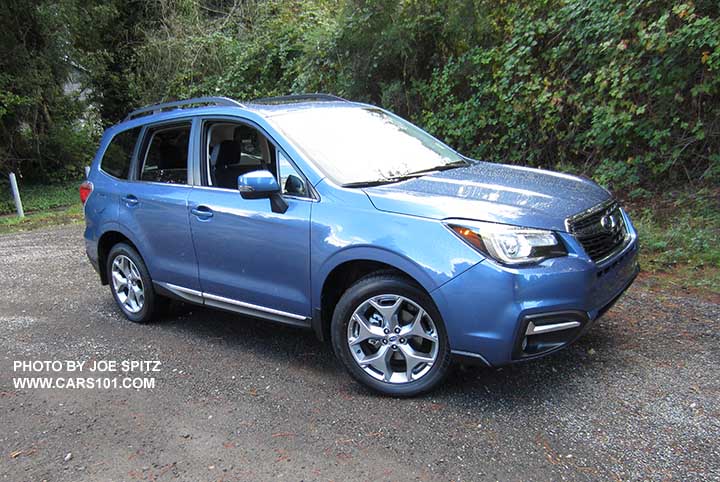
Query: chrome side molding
237, 306
186, 294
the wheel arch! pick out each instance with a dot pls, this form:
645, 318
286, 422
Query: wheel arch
348, 266
111, 236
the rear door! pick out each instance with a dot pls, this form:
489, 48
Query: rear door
154, 206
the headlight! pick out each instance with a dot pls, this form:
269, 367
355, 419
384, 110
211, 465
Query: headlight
508, 244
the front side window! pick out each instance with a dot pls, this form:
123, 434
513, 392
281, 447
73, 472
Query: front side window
236, 149
166, 155
355, 145
118, 155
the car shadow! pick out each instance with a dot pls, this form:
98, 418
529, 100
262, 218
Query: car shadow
264, 338
520, 385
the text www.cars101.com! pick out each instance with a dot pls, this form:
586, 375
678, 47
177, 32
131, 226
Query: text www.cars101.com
133, 383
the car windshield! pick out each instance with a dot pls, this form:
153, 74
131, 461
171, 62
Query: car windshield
356, 146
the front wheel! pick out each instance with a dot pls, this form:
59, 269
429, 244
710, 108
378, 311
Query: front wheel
390, 336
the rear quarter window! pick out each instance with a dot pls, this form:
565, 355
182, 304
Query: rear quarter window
118, 155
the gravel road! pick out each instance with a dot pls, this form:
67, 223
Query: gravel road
240, 399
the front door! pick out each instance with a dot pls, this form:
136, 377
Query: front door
250, 259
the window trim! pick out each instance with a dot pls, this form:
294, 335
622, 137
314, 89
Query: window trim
133, 154
204, 161
308, 186
148, 132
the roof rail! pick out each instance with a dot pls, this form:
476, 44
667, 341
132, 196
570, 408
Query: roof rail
156, 108
298, 98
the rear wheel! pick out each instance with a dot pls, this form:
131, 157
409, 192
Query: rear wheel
131, 285
390, 337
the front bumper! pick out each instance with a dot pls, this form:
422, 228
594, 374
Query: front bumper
498, 315
543, 333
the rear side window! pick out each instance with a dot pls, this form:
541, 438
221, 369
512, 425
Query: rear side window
118, 154
166, 155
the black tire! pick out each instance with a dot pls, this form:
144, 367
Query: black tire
153, 303
382, 283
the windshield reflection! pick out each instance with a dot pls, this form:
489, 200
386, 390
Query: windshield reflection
354, 145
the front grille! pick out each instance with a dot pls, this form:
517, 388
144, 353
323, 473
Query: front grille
601, 231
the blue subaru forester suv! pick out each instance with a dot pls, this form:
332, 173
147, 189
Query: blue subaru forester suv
343, 218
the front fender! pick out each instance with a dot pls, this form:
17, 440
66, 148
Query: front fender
371, 253
347, 227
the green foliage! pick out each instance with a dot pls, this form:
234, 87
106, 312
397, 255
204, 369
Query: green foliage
623, 91
40, 197
46, 133
43, 219
679, 235
620, 91
682, 229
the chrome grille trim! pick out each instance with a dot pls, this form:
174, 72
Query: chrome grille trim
600, 243
575, 217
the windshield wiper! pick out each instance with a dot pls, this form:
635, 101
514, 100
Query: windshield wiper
443, 167
384, 180
409, 175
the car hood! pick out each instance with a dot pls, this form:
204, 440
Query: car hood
492, 192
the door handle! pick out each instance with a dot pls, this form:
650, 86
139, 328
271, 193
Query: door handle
202, 212
130, 200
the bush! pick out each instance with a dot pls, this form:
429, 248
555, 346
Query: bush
623, 91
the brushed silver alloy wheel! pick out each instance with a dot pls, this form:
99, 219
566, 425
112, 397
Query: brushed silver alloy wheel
393, 339
127, 284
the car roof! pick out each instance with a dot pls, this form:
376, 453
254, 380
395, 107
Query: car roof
269, 110
265, 107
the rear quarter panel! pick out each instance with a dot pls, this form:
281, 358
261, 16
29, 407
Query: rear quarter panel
101, 208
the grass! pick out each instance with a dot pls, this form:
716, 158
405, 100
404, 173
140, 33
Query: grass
43, 205
40, 197
41, 219
680, 238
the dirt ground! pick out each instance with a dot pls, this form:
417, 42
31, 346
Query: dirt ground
239, 399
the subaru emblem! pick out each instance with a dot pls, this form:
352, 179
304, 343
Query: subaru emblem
608, 222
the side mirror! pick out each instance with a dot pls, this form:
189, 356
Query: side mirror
257, 185
294, 185
262, 184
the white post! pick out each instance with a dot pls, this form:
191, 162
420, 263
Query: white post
87, 171
16, 195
